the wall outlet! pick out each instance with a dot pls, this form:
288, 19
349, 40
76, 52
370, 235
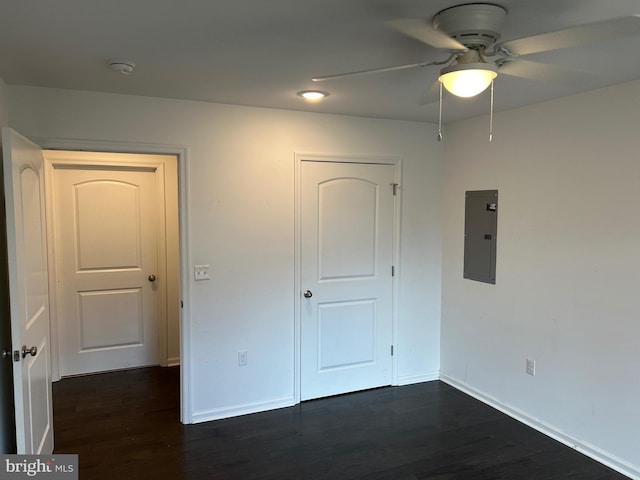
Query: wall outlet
201, 272
531, 367
242, 359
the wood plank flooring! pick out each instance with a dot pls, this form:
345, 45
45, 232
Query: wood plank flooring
125, 425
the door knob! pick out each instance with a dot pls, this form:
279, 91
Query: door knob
307, 294
31, 351
152, 278
6, 353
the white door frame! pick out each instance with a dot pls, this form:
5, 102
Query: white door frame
302, 157
183, 224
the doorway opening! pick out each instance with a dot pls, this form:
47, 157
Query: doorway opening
28, 277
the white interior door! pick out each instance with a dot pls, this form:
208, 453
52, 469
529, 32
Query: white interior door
347, 250
106, 242
28, 292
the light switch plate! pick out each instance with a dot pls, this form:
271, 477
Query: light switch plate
201, 272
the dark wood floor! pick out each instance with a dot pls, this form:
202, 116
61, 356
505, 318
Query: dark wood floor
125, 426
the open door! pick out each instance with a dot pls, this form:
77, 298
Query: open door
28, 292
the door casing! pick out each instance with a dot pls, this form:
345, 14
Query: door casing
302, 157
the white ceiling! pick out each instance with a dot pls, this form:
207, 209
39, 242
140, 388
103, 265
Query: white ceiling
261, 52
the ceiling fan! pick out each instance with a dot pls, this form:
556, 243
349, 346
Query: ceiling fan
469, 34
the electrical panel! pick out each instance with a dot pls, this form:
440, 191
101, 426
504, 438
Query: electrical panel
480, 235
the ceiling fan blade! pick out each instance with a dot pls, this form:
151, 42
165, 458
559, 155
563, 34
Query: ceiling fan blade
542, 72
575, 36
423, 31
431, 95
373, 70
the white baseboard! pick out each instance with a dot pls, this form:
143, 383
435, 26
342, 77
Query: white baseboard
246, 409
418, 378
596, 453
173, 361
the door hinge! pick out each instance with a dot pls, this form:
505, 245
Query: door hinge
393, 271
395, 189
392, 350
181, 304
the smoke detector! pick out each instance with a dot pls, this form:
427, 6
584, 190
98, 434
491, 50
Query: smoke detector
124, 67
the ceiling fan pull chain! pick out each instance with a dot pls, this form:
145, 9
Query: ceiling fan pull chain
440, 115
491, 115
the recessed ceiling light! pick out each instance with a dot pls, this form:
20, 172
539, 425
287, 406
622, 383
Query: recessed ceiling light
125, 67
313, 95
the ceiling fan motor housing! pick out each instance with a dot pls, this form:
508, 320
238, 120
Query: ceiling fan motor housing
475, 25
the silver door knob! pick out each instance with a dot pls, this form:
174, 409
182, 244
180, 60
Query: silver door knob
31, 351
152, 278
307, 294
6, 353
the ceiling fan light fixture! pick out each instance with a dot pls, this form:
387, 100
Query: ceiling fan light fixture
313, 95
468, 79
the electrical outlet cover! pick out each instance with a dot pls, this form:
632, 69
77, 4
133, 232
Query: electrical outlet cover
242, 358
531, 367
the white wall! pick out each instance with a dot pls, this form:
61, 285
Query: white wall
568, 269
241, 222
